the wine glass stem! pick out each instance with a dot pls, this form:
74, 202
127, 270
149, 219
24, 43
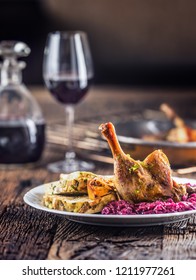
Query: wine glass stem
69, 111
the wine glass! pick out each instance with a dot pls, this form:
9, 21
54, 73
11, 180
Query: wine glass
68, 72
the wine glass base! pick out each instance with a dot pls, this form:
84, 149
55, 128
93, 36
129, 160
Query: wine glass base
70, 166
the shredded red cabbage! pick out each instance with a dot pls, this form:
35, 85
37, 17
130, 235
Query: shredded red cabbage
123, 207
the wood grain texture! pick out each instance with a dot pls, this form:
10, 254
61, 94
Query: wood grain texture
179, 241
25, 232
91, 242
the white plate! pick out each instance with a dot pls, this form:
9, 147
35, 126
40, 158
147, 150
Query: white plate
34, 199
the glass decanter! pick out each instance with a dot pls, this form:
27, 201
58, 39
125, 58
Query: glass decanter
22, 127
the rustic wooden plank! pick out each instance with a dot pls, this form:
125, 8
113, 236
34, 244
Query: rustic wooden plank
26, 233
77, 241
179, 240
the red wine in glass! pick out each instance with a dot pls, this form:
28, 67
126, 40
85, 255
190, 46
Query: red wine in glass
68, 91
68, 72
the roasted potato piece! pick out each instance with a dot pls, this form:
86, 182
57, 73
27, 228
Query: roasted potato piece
100, 186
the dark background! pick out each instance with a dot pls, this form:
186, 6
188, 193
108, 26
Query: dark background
26, 21
145, 42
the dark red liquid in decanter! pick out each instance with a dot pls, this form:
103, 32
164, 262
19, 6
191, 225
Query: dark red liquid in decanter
21, 142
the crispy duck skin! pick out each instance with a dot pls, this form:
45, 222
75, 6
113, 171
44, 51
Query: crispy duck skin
139, 181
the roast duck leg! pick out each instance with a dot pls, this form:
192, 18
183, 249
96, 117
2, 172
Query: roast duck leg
141, 181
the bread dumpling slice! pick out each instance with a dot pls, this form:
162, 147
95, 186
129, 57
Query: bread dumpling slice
74, 183
78, 204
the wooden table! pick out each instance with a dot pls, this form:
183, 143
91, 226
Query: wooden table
27, 233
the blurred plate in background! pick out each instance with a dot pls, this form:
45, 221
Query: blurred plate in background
131, 135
